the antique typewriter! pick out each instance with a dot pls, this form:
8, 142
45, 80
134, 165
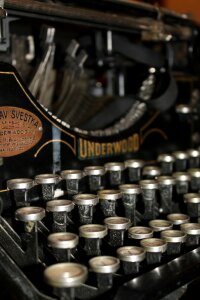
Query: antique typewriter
99, 151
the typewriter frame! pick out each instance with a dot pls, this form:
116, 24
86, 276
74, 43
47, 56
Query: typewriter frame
176, 274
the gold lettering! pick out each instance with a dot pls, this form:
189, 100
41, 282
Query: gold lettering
124, 146
136, 142
103, 149
109, 148
117, 146
91, 149
83, 148
97, 149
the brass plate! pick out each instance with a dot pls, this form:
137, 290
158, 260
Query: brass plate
20, 130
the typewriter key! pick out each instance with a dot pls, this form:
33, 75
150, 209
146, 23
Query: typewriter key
60, 210
160, 225
177, 219
195, 179
166, 162
47, 182
30, 215
165, 186
131, 258
19, 188
175, 240
154, 247
64, 278
96, 177
193, 233
181, 160
182, 182
116, 230
134, 167
107, 199
151, 172
72, 181
193, 158
138, 233
193, 205
85, 204
63, 243
114, 170
92, 235
130, 194
104, 267
148, 188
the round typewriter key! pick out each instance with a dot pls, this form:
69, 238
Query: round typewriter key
154, 247
194, 158
63, 243
131, 258
181, 160
71, 174
182, 186
148, 188
60, 209
116, 229
30, 215
93, 231
192, 201
19, 190
104, 267
85, 204
130, 189
47, 179
177, 219
165, 186
166, 162
95, 177
175, 239
151, 172
181, 176
107, 199
64, 278
47, 182
117, 223
104, 264
20, 184
65, 275
114, 173
160, 225
92, 235
130, 194
72, 180
138, 233
134, 167
148, 184
195, 179
63, 240
193, 233
59, 205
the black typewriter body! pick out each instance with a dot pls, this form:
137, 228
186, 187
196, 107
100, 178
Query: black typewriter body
99, 127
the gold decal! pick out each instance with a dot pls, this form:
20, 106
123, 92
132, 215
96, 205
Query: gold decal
88, 149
